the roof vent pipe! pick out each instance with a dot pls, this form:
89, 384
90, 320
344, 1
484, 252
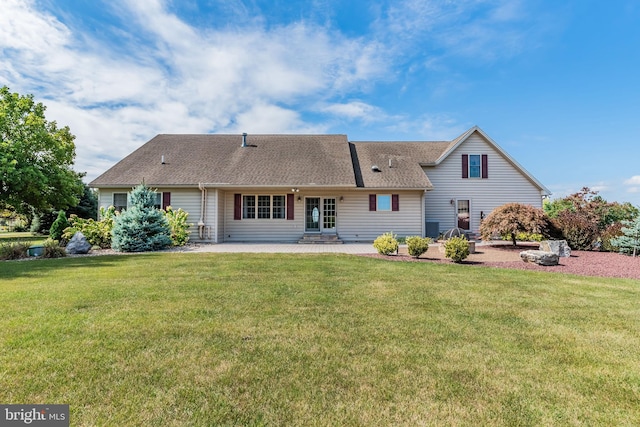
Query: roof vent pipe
244, 139
389, 161
162, 159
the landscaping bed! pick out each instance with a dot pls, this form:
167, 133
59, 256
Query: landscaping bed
584, 263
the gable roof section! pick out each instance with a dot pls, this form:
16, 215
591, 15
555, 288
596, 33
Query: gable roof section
462, 138
406, 157
268, 160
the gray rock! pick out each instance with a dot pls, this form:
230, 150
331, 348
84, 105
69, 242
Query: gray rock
540, 257
78, 244
558, 247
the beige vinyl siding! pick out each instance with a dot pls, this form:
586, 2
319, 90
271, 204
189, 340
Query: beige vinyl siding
188, 199
505, 184
219, 214
357, 223
261, 230
354, 222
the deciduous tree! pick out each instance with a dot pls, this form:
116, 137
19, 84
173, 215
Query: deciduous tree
35, 158
514, 218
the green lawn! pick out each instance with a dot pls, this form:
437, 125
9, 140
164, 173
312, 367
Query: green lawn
26, 237
270, 339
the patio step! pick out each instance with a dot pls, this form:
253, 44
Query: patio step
320, 239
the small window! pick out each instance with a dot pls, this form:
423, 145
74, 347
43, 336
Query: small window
248, 207
279, 210
120, 201
474, 166
264, 207
384, 202
158, 202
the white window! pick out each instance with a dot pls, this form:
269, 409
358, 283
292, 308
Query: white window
120, 201
279, 211
474, 166
383, 202
248, 207
264, 207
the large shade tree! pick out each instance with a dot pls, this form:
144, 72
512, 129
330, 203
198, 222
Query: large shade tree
35, 158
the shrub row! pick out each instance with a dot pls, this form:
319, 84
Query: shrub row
456, 248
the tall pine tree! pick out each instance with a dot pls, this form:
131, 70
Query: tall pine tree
141, 227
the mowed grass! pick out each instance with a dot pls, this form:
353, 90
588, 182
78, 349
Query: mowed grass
271, 339
25, 237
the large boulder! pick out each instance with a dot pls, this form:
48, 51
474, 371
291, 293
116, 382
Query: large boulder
540, 257
558, 247
78, 244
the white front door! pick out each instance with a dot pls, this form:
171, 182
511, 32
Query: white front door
320, 215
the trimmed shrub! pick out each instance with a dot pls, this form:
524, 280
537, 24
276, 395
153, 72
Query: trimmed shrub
456, 248
178, 225
417, 245
98, 233
58, 226
13, 250
52, 249
386, 244
525, 237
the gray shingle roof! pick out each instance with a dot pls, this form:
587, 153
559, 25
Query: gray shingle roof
405, 157
284, 160
269, 160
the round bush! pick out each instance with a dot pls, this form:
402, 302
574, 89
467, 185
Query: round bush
456, 248
386, 244
417, 245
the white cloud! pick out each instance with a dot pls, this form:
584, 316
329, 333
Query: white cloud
166, 76
185, 81
634, 180
354, 110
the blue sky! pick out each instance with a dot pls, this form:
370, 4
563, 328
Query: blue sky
556, 84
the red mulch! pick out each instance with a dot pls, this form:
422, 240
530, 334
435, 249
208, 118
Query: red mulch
583, 263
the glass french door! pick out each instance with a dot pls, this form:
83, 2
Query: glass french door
320, 215
329, 215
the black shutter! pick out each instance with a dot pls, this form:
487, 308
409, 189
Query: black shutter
395, 202
485, 166
237, 206
290, 206
372, 202
465, 166
166, 200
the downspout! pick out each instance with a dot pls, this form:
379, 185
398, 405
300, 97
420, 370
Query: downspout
423, 212
203, 210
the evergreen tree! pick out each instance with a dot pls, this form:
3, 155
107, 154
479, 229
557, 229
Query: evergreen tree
58, 226
629, 242
142, 227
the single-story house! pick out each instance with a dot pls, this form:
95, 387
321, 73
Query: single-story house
290, 188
